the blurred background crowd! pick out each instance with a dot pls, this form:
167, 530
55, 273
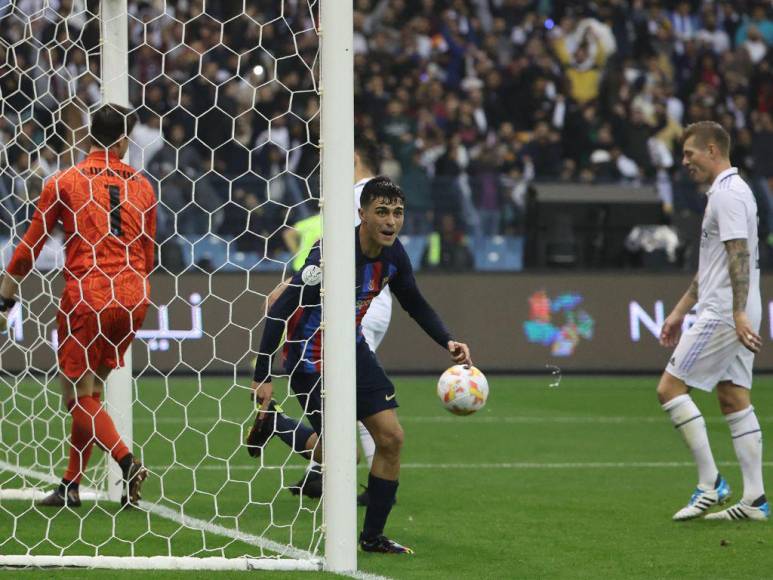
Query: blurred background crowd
474, 104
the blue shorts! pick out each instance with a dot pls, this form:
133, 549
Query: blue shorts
375, 392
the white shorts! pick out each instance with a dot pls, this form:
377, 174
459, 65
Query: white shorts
709, 353
375, 323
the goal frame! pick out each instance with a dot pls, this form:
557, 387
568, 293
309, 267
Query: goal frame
336, 90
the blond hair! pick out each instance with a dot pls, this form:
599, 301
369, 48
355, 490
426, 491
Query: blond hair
706, 132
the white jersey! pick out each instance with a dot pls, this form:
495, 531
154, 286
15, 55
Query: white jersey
731, 214
376, 320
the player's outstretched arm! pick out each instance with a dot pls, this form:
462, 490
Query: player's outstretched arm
738, 267
672, 325
41, 225
409, 296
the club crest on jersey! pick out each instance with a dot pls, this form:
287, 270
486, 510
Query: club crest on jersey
312, 275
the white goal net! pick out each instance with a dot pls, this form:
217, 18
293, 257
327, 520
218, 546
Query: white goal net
228, 100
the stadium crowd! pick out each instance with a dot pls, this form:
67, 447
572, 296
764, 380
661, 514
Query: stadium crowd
472, 101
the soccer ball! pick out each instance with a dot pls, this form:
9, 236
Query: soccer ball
462, 390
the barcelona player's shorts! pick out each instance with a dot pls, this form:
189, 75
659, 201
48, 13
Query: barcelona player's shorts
375, 392
89, 341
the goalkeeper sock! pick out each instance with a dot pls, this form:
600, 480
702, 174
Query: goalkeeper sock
381, 494
747, 442
368, 444
687, 419
92, 417
81, 445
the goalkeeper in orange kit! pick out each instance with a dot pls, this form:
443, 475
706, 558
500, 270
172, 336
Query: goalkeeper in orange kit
108, 212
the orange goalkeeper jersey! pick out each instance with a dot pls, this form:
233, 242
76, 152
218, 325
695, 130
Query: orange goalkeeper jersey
108, 213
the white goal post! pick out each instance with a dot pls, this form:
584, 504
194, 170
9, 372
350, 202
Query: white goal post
198, 527
119, 389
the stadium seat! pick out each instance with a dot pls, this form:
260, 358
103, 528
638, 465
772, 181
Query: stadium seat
499, 254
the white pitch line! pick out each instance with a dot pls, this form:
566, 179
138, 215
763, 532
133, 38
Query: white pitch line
165, 512
193, 523
360, 575
460, 421
205, 526
525, 465
39, 475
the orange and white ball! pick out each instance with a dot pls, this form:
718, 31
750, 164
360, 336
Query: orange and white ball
462, 390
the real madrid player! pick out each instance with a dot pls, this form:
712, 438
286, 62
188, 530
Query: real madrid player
380, 260
717, 352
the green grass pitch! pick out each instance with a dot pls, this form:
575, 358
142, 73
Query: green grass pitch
577, 481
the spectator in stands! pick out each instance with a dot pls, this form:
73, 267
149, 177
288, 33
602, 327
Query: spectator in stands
420, 215
760, 21
544, 152
448, 249
173, 169
583, 67
487, 191
754, 45
443, 82
711, 34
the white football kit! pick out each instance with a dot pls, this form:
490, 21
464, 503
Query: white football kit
710, 352
376, 320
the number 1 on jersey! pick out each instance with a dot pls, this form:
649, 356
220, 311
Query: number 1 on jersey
115, 210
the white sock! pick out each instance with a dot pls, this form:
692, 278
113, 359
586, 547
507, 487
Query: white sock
747, 441
368, 444
688, 420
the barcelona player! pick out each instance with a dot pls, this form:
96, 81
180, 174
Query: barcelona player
380, 260
108, 212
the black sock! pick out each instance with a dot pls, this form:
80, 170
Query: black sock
125, 463
381, 494
66, 484
294, 433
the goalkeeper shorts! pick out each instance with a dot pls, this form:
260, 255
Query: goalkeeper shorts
90, 341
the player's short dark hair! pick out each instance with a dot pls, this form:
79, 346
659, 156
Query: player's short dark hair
381, 187
109, 123
369, 152
706, 132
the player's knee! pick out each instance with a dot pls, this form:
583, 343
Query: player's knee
726, 406
664, 393
311, 442
391, 440
732, 400
669, 388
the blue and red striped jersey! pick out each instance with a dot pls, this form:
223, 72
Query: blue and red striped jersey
298, 311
